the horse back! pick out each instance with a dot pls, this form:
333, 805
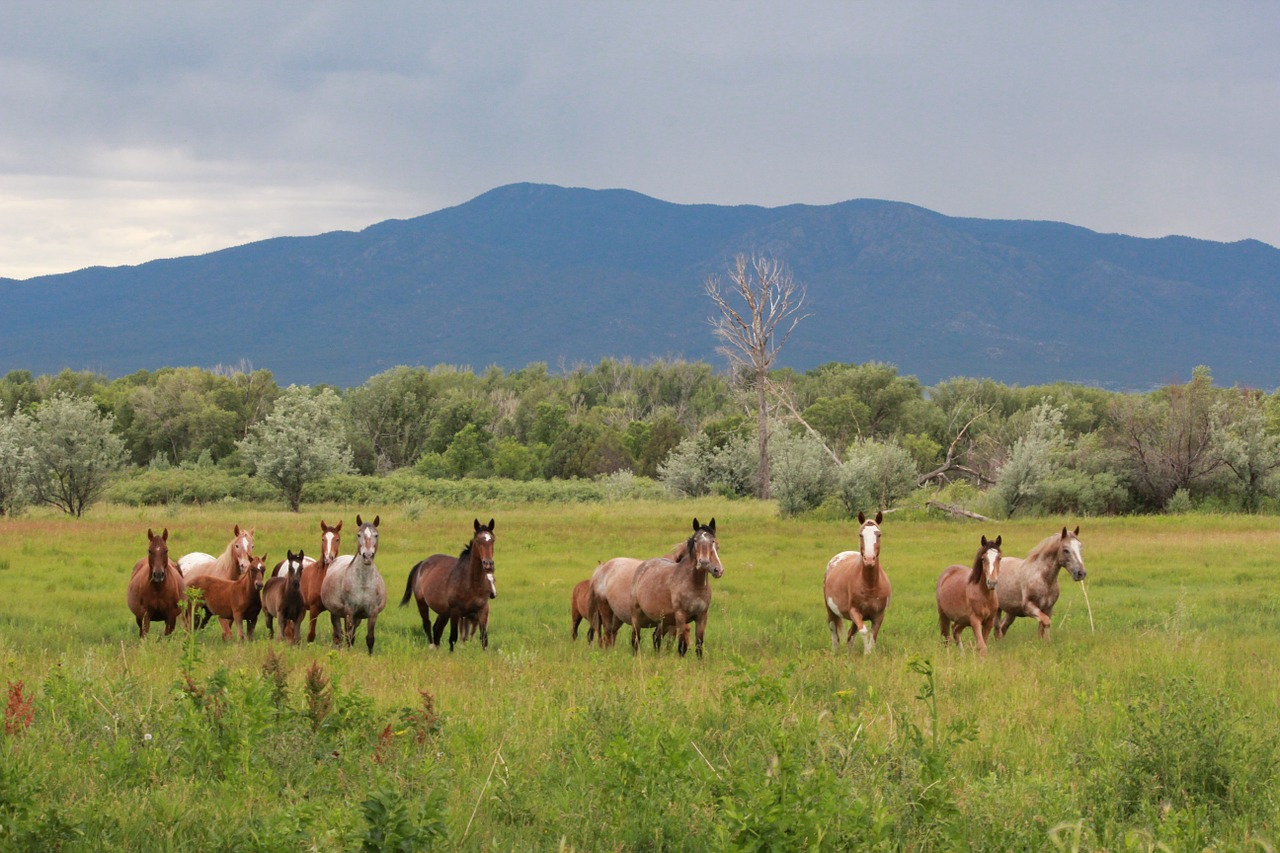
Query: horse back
441, 580
1020, 583
618, 574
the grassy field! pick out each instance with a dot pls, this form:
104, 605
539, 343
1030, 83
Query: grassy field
1154, 728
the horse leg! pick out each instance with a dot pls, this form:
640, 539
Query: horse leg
484, 632
314, 612
271, 631
682, 627
338, 632
981, 627
144, 622
944, 625
702, 630
1002, 626
657, 638
425, 612
833, 624
368, 634
635, 632
858, 625
453, 631
170, 621
1041, 617
437, 630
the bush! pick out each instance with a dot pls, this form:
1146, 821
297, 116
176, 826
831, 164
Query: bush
875, 476
803, 474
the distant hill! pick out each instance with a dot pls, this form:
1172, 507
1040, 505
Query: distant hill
528, 273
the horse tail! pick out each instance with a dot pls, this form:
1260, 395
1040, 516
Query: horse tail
408, 586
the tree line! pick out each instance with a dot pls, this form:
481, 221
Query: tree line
843, 436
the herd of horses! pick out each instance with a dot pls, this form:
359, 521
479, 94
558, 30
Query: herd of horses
666, 593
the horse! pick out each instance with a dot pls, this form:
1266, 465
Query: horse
609, 607
458, 589
235, 602
1029, 587
229, 565
580, 608
282, 599
856, 587
667, 593
353, 589
156, 587
314, 572
967, 596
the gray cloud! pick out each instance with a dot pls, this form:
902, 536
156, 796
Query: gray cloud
140, 130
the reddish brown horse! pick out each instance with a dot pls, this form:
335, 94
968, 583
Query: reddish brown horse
1030, 587
580, 608
667, 594
282, 599
456, 588
966, 596
856, 587
314, 571
233, 602
156, 586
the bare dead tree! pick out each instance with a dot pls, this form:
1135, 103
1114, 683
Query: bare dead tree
759, 308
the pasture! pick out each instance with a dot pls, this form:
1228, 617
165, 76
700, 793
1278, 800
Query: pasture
1154, 729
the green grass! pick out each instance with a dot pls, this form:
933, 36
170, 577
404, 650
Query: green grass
1155, 727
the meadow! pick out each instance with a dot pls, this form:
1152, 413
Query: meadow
1150, 726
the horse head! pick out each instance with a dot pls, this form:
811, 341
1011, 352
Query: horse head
1070, 554
293, 566
330, 541
367, 538
869, 538
702, 545
482, 550
258, 571
242, 548
158, 554
988, 561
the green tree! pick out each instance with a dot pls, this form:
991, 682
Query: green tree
875, 476
1239, 432
299, 442
72, 453
15, 448
1035, 458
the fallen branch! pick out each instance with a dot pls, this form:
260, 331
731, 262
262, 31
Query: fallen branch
952, 509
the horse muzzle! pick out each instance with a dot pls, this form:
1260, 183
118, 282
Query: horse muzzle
1078, 576
992, 584
157, 577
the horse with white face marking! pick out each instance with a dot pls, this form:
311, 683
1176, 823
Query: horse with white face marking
668, 594
353, 590
234, 560
457, 588
1029, 587
967, 596
855, 587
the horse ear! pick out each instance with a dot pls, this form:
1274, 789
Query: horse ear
1077, 530
475, 524
376, 519
1064, 531
150, 535
879, 516
712, 525
359, 523
999, 539
337, 526
491, 525
322, 525
695, 525
237, 530
862, 517
984, 540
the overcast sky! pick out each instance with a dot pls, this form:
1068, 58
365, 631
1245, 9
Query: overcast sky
134, 131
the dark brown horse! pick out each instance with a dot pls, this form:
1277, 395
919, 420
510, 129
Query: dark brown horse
282, 599
233, 602
156, 586
966, 596
456, 588
314, 571
855, 587
667, 594
1030, 587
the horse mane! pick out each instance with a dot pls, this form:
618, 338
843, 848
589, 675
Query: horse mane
976, 573
1041, 550
225, 561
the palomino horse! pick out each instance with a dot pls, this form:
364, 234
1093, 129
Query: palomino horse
457, 588
1029, 587
666, 593
856, 588
967, 596
353, 589
229, 565
609, 607
235, 602
156, 586
282, 599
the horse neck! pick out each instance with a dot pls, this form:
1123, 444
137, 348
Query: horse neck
475, 570
871, 569
698, 577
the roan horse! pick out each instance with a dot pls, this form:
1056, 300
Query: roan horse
855, 587
229, 565
609, 607
156, 586
666, 593
353, 589
282, 599
1029, 587
967, 596
235, 602
457, 588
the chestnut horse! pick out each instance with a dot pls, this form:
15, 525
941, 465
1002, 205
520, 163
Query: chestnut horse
235, 602
314, 571
666, 593
580, 608
156, 588
229, 565
457, 588
856, 587
609, 607
353, 589
967, 596
282, 599
1029, 587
